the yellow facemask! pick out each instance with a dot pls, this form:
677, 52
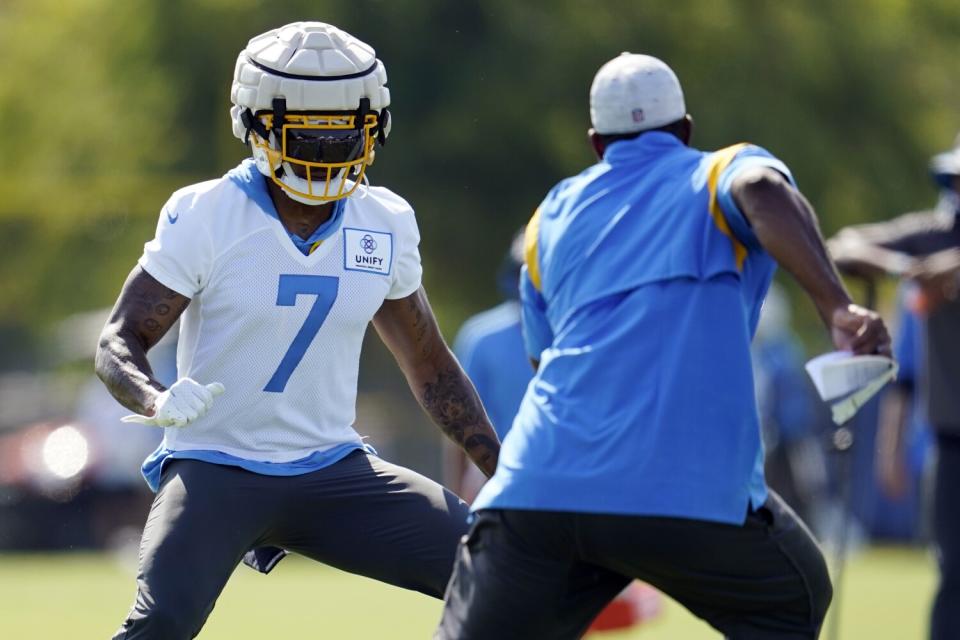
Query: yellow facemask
318, 157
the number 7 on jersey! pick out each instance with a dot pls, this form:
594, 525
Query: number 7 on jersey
291, 286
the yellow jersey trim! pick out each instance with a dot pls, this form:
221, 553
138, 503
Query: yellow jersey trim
531, 255
719, 161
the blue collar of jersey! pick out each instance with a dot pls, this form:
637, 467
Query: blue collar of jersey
650, 143
253, 183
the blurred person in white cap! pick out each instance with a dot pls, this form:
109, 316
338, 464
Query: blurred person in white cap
636, 451
923, 249
276, 270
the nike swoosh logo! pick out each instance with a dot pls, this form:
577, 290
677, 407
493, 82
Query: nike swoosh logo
173, 219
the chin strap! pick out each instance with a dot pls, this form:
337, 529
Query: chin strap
362, 112
253, 123
383, 122
279, 115
361, 122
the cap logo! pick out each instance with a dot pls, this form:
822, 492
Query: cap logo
637, 115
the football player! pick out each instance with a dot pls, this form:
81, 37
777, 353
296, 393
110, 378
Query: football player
275, 270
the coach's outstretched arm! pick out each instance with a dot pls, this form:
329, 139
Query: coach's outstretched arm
144, 312
409, 329
786, 226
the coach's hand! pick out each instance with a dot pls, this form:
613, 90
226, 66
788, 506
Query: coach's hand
860, 330
181, 404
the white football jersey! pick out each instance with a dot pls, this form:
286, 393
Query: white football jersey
281, 330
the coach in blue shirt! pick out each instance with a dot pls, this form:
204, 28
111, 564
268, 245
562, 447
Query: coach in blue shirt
636, 452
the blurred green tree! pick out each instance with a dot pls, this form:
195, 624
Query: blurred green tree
108, 107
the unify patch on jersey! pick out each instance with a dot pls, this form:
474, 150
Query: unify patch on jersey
365, 250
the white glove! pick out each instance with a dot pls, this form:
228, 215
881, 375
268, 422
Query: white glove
181, 404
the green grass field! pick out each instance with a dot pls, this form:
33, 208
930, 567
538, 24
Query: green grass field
85, 596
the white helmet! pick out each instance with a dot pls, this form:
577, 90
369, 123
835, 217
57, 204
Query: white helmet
312, 101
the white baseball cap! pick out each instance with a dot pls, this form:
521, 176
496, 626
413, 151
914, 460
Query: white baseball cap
634, 92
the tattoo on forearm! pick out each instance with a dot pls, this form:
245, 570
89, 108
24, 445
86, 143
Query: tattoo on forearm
484, 450
145, 312
453, 404
410, 331
123, 367
421, 325
153, 309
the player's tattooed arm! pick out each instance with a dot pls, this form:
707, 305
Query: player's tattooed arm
144, 312
408, 327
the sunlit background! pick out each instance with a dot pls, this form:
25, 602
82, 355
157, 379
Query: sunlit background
108, 107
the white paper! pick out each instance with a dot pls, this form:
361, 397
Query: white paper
840, 373
847, 381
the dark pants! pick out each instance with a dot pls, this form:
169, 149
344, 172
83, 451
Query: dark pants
362, 515
945, 618
545, 575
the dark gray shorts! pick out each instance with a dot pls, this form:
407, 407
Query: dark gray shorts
546, 575
361, 515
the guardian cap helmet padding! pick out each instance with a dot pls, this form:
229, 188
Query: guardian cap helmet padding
312, 102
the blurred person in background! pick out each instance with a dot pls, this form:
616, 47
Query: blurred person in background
636, 452
795, 464
923, 248
73, 481
120, 449
904, 437
278, 268
490, 348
